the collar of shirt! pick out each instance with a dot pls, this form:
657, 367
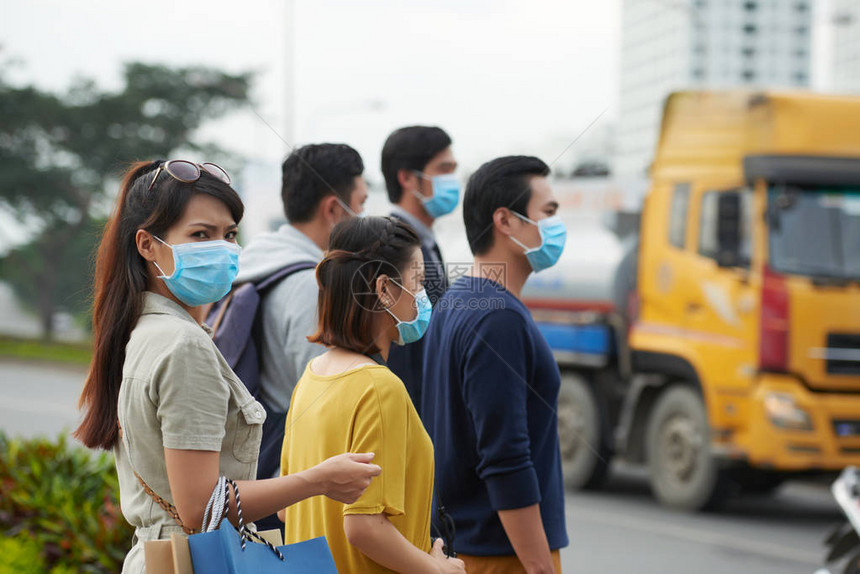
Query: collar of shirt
155, 304
424, 233
306, 242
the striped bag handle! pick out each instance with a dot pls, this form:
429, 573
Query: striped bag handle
218, 507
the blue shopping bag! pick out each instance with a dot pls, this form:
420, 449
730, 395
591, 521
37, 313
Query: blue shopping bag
222, 549
221, 552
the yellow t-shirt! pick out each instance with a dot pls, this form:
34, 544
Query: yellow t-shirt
366, 409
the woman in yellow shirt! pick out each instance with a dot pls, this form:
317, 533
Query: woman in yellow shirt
371, 296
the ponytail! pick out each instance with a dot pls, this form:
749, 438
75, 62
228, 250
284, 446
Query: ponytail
120, 280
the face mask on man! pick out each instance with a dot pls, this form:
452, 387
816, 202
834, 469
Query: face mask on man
446, 194
553, 234
203, 271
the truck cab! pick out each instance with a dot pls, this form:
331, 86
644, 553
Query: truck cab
735, 360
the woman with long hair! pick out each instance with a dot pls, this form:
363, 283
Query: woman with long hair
371, 295
158, 393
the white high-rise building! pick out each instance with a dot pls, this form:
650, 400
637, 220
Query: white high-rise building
680, 44
845, 19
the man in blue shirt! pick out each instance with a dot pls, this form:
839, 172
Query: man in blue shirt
491, 383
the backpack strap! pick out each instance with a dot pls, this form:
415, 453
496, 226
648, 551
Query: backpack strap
262, 285
283, 273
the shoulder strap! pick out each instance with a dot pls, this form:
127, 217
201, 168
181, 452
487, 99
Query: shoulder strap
222, 311
282, 274
260, 286
166, 506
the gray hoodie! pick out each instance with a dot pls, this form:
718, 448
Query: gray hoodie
289, 309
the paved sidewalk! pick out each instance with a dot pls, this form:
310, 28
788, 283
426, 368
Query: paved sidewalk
39, 398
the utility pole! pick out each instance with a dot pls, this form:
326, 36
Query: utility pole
288, 126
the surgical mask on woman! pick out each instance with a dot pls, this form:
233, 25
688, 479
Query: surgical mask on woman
203, 271
411, 331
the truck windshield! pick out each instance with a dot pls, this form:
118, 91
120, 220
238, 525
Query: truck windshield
815, 231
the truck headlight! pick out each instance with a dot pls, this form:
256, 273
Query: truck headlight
783, 412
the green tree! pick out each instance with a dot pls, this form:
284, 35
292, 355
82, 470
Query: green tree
61, 155
24, 267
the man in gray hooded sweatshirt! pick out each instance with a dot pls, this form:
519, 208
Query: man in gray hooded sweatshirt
322, 185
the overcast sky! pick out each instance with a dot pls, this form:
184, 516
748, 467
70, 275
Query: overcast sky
499, 76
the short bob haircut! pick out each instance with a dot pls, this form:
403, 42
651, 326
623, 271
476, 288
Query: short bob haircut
360, 251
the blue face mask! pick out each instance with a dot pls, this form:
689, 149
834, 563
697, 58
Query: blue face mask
411, 331
203, 271
446, 194
553, 234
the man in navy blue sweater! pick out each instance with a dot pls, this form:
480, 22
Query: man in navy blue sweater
491, 383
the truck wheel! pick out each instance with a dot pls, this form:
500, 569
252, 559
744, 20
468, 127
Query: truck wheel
584, 445
683, 473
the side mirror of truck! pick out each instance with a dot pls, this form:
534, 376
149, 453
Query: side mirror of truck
729, 229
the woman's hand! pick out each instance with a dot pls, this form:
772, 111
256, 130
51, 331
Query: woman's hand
446, 565
345, 477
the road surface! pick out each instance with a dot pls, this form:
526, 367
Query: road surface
39, 398
620, 529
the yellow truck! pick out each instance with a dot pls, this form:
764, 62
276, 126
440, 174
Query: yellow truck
731, 359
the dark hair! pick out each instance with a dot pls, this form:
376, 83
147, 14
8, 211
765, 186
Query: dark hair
502, 182
121, 278
313, 172
410, 148
360, 250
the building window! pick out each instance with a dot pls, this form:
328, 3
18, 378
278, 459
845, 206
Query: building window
800, 53
801, 30
678, 215
801, 7
698, 73
748, 75
800, 77
748, 52
750, 29
750, 6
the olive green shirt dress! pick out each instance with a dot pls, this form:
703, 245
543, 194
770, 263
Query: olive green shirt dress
177, 392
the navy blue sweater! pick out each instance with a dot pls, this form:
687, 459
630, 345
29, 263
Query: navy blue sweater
489, 403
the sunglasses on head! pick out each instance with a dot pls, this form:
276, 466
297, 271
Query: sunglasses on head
189, 172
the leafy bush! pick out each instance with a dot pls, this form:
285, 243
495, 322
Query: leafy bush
21, 554
61, 500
